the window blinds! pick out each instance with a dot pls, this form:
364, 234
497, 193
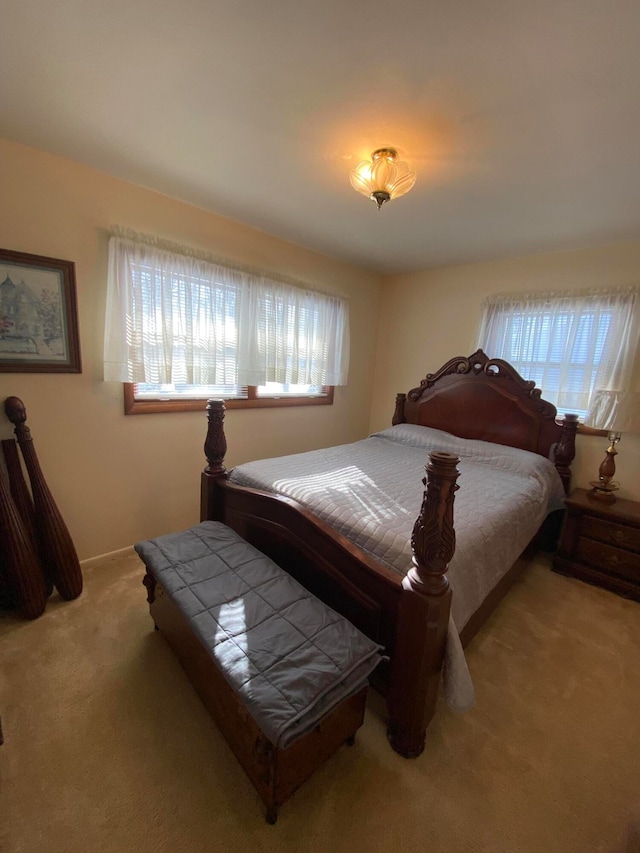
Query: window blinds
569, 344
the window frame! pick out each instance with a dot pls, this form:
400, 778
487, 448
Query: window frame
329, 311
132, 406
512, 304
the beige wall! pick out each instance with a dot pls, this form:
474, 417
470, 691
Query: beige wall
119, 479
428, 317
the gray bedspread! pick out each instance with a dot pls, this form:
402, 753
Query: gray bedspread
371, 492
289, 657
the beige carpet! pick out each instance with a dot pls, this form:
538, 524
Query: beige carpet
107, 748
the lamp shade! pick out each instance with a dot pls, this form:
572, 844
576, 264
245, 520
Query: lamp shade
383, 177
616, 411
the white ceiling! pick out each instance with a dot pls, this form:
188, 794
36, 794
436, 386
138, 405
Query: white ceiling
521, 117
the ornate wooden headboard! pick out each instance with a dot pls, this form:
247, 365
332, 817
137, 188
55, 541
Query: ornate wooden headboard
483, 398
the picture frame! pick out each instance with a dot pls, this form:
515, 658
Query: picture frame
38, 314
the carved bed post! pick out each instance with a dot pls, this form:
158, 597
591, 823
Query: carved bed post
21, 494
423, 614
215, 449
398, 415
57, 551
25, 581
566, 449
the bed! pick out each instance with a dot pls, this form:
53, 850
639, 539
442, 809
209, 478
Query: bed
343, 521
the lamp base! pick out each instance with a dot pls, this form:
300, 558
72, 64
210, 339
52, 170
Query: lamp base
603, 491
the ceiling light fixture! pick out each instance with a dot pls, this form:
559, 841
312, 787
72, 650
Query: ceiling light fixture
383, 177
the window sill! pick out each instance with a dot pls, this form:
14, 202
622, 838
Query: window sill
152, 407
587, 430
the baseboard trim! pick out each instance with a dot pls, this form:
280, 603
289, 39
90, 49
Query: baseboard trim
109, 557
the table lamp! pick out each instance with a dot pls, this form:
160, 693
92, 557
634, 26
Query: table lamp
617, 412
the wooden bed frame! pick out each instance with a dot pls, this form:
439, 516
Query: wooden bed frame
474, 397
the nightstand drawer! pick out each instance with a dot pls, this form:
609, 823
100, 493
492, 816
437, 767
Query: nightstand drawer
601, 543
618, 535
625, 564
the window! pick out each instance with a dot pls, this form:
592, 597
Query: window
181, 326
568, 344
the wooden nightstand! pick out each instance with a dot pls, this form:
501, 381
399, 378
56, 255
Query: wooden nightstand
600, 543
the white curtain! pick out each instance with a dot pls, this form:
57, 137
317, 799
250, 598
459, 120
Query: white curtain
180, 317
291, 335
570, 344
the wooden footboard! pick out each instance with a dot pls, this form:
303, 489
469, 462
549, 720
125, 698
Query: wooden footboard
409, 618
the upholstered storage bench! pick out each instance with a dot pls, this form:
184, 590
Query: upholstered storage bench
284, 676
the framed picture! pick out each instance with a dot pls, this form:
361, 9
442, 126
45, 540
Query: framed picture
38, 315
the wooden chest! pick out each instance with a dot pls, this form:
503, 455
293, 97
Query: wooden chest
600, 543
276, 773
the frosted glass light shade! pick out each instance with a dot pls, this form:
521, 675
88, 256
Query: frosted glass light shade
383, 177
